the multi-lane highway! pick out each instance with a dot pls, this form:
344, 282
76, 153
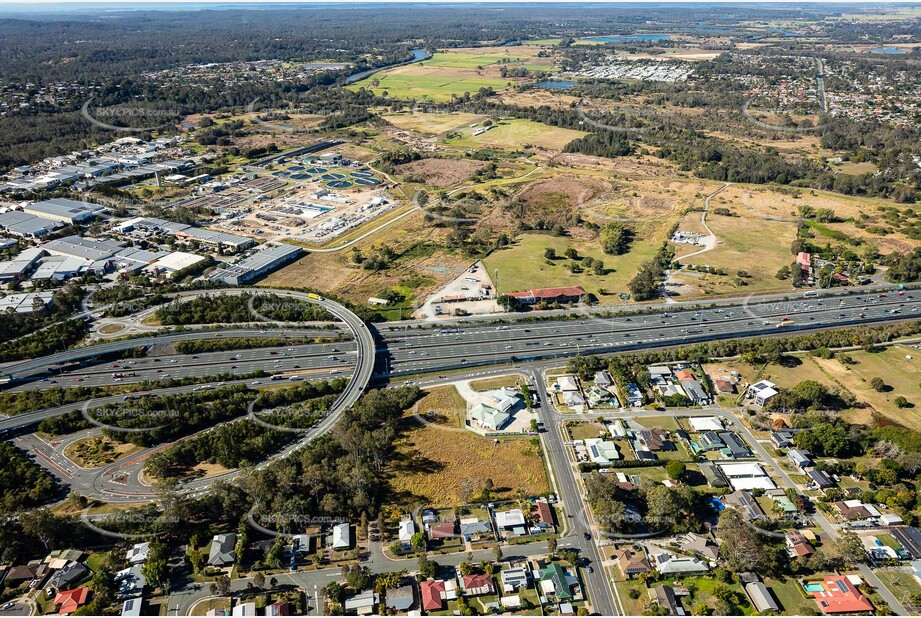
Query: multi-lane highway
408, 351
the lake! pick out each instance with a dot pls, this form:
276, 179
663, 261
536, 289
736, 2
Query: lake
887, 50
556, 84
624, 38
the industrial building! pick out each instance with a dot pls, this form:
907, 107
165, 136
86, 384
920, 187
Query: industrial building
25, 225
64, 210
260, 263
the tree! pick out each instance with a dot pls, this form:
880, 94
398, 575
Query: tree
851, 547
156, 569
418, 540
220, 587
742, 549
878, 385
550, 253
901, 402
259, 580
551, 545
571, 253
675, 469
465, 568
497, 553
428, 568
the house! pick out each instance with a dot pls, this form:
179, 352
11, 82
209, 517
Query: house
798, 545
601, 452
714, 475
799, 458
556, 582
407, 530
840, 596
853, 510
634, 395
222, 550
443, 530
71, 573
435, 593
133, 607
910, 539
820, 479
567, 384
762, 392
702, 545
746, 476
510, 602
782, 439
654, 440
362, 603
476, 585
400, 599
684, 375
735, 445
138, 553
342, 536
890, 519
710, 441
20, 573
489, 417
705, 423
514, 578
131, 582
617, 429
244, 609
724, 386
747, 504
71, 600
695, 392
576, 401
786, 505
631, 563
761, 597
664, 597
542, 515
281, 608
668, 564
603, 378
511, 521
472, 529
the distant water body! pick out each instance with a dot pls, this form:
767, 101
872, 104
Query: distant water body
887, 50
556, 84
626, 38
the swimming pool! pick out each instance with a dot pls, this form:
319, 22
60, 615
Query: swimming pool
813, 587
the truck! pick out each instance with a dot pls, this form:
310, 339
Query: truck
315, 296
785, 321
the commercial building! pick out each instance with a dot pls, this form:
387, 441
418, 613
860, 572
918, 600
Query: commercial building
26, 303
87, 249
570, 294
260, 263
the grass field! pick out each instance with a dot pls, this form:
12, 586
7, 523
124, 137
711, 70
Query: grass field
431, 123
431, 82
759, 247
788, 594
522, 265
436, 463
488, 384
899, 372
97, 451
517, 133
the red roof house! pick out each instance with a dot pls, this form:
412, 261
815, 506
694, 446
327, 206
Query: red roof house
840, 596
71, 600
433, 595
475, 585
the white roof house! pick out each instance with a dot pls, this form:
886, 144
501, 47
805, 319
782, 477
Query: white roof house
509, 519
567, 384
245, 609
762, 392
746, 476
342, 536
138, 553
705, 423
600, 451
407, 530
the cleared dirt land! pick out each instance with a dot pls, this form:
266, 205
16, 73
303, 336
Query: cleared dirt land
518, 133
440, 463
440, 173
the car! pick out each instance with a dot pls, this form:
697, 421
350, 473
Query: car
9, 605
589, 569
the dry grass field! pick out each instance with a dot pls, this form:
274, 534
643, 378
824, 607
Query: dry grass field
438, 464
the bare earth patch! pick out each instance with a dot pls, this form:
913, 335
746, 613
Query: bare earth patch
440, 173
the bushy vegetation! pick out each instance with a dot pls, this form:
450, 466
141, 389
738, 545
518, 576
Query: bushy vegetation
23, 484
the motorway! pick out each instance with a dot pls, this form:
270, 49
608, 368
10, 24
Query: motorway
407, 351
